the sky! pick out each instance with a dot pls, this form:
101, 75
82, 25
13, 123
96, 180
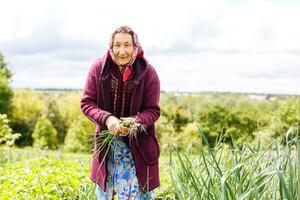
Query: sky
195, 45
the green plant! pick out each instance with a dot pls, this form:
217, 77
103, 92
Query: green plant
6, 134
79, 135
289, 172
6, 92
44, 134
127, 125
27, 109
54, 115
249, 172
45, 178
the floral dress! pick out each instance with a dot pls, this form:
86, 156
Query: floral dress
121, 181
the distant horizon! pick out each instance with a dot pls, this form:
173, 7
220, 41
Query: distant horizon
164, 91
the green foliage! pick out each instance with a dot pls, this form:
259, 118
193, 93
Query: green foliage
234, 116
5, 96
289, 174
69, 106
219, 172
27, 108
45, 178
6, 134
176, 113
171, 126
4, 71
61, 108
213, 120
251, 172
287, 119
80, 136
187, 139
165, 132
5, 89
190, 139
44, 134
53, 113
197, 169
232, 123
180, 117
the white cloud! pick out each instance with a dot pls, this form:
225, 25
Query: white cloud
195, 45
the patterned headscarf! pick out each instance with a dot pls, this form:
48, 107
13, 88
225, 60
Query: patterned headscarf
137, 49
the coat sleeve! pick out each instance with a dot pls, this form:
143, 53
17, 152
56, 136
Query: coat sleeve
150, 109
88, 102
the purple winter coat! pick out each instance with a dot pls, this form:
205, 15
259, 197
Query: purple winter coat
96, 104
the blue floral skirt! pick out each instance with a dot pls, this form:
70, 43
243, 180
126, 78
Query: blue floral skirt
121, 180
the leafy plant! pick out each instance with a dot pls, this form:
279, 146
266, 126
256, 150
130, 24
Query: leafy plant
6, 134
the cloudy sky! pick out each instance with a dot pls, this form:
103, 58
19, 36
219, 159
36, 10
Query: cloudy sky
195, 45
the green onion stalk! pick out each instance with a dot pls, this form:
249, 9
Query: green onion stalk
127, 125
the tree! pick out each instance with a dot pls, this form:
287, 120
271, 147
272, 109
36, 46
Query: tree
44, 134
5, 89
286, 120
27, 109
237, 123
80, 135
3, 68
54, 115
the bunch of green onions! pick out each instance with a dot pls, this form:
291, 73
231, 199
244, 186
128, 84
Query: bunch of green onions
130, 125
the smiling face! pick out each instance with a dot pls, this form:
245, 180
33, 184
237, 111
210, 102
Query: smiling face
123, 48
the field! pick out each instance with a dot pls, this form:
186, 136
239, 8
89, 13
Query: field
32, 173
222, 172
214, 146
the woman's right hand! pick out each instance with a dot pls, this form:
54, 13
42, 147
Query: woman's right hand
113, 124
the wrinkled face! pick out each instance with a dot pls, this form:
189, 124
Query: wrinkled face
123, 48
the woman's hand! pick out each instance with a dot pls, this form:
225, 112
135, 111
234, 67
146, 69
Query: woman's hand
124, 131
113, 124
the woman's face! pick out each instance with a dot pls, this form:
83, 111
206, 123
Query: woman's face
123, 48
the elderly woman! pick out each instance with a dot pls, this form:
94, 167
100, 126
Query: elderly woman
124, 85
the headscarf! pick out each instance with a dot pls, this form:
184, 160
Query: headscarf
137, 50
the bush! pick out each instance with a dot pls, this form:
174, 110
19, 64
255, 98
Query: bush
53, 113
44, 134
80, 136
191, 139
287, 119
27, 108
165, 132
6, 134
235, 123
68, 105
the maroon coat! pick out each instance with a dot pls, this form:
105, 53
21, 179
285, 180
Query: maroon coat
96, 104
